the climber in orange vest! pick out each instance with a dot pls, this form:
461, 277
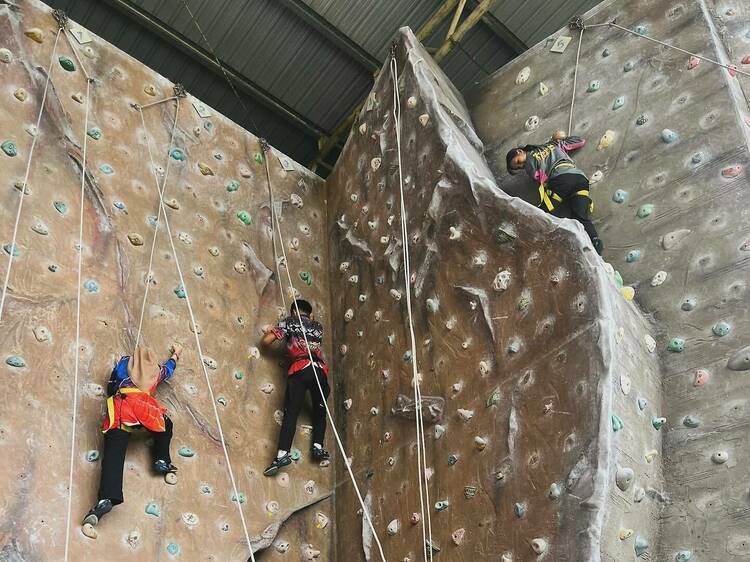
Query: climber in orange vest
563, 187
131, 405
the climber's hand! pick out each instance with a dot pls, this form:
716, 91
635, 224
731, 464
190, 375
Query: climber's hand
558, 135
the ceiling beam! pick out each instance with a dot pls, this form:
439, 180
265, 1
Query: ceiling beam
216, 66
515, 43
332, 33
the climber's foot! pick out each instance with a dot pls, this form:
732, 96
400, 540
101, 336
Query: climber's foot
598, 245
277, 464
319, 454
97, 512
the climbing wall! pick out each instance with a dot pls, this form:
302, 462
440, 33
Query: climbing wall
668, 141
216, 193
529, 356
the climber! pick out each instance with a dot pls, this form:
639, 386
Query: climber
563, 187
131, 405
301, 379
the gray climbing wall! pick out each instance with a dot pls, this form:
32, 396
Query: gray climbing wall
216, 173
532, 362
671, 207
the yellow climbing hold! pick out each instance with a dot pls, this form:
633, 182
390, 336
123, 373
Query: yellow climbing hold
628, 293
205, 170
35, 34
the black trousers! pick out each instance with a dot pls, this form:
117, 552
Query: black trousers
113, 458
573, 206
297, 386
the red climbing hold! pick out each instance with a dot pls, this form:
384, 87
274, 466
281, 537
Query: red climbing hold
746, 59
701, 377
731, 171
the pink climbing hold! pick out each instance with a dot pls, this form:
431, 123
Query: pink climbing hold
701, 377
415, 518
731, 171
732, 70
746, 59
693, 63
458, 536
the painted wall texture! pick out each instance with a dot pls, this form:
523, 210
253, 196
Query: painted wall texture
216, 174
671, 207
526, 349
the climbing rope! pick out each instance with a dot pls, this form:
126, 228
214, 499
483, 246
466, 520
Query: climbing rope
37, 132
80, 248
193, 325
265, 147
424, 493
576, 23
294, 293
139, 108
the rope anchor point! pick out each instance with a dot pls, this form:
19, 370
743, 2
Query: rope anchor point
576, 23
179, 91
61, 18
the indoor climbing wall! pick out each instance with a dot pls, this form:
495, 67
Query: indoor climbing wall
217, 199
668, 137
533, 366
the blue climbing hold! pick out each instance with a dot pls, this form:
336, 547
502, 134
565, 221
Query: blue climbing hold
16, 361
119, 205
10, 148
208, 125
668, 136
177, 154
658, 422
152, 509
641, 29
152, 220
519, 509
173, 548
721, 329
95, 133
185, 452
12, 250
619, 196
91, 286
232, 186
92, 456
239, 375
61, 207
106, 169
617, 423
676, 344
633, 256
180, 292
296, 454
594, 85
683, 556
642, 403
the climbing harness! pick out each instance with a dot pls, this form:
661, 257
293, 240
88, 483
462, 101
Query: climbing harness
34, 137
193, 326
424, 493
547, 196
293, 291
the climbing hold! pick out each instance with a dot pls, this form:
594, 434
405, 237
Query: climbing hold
618, 103
633, 256
106, 169
20, 94
92, 455
173, 548
628, 66
78, 97
494, 397
539, 546
650, 343
640, 545
645, 211
177, 154
593, 86
432, 305
740, 361
152, 509
625, 384
179, 291
89, 531
731, 171
35, 34
41, 333
618, 279
393, 527
617, 423
232, 186
555, 491
625, 534
67, 63
411, 102
210, 362
658, 278
91, 286
596, 177
480, 443
240, 496
12, 250
676, 344
641, 120
693, 62
606, 141
519, 509
10, 148
691, 421
683, 556
306, 277
186, 452
424, 119
624, 478
244, 217
441, 505
458, 536
650, 455
720, 457
135, 239
214, 251
205, 169
688, 304
95, 133
523, 75
668, 136
620, 196
721, 329
465, 415
470, 492
532, 123
543, 89
502, 280
605, 53
701, 377
641, 29
6, 56
190, 519
642, 403
375, 163
658, 422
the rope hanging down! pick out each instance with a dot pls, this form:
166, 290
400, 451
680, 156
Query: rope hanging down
37, 132
293, 291
198, 342
424, 493
266, 149
63, 22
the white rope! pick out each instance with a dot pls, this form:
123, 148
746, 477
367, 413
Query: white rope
157, 102
26, 175
575, 82
273, 233
424, 493
194, 327
293, 291
78, 301
158, 217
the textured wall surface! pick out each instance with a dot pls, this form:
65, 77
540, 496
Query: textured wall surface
228, 267
522, 338
672, 209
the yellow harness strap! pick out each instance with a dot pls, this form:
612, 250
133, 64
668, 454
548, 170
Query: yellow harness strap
111, 406
544, 194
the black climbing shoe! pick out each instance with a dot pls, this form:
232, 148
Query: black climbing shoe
97, 512
319, 454
164, 467
598, 245
277, 464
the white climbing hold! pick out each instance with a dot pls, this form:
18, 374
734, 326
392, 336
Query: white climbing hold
625, 384
424, 119
411, 102
254, 353
502, 280
375, 164
543, 89
170, 478
363, 129
393, 527
455, 233
650, 343
439, 431
539, 546
523, 75
89, 531
480, 443
624, 478
190, 519
272, 506
348, 404
297, 201
596, 177
41, 333
606, 141
349, 314
720, 457
659, 278
395, 294
532, 123
465, 415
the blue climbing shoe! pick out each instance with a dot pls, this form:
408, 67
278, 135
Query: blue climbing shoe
164, 467
277, 464
97, 512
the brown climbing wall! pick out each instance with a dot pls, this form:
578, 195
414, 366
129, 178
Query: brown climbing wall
229, 273
672, 209
516, 342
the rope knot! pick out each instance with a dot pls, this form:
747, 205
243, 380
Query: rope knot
61, 18
179, 91
576, 23
264, 146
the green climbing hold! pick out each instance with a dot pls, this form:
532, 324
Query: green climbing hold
106, 169
242, 498
10, 148
617, 423
668, 136
721, 329
232, 186
683, 556
618, 103
61, 207
645, 210
152, 509
296, 454
177, 154
306, 277
12, 250
258, 157
519, 509
676, 344
180, 292
239, 375
641, 29
185, 452
16, 361
494, 398
618, 279
244, 217
594, 85
632, 256
658, 423
67, 64
95, 133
